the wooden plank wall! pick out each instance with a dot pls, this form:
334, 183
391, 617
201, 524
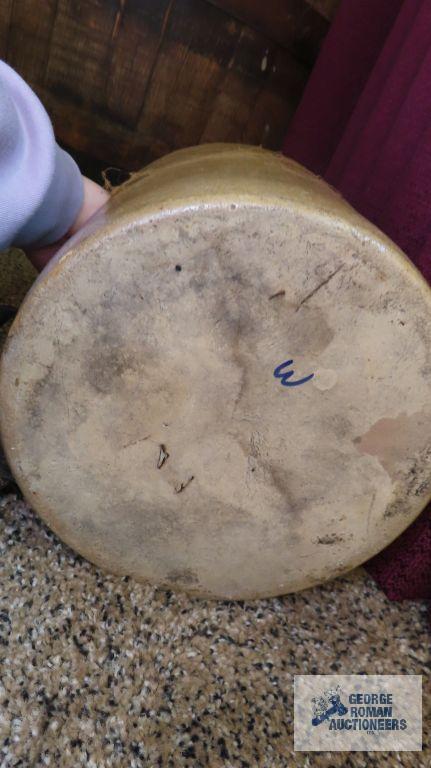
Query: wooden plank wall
126, 81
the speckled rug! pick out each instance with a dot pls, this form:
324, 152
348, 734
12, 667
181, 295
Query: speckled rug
101, 671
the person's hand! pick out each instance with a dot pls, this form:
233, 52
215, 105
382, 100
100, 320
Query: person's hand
94, 197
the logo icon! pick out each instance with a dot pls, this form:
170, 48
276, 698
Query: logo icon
364, 713
328, 705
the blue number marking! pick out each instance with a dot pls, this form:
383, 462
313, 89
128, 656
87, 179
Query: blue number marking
284, 377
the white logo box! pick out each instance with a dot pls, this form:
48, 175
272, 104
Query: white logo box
351, 713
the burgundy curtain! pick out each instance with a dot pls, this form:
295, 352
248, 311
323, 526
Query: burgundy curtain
364, 124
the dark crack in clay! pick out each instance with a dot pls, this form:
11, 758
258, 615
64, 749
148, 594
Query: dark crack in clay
180, 487
163, 456
330, 538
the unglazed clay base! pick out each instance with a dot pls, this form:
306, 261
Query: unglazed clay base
223, 383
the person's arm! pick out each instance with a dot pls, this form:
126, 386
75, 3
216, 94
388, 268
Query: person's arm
43, 197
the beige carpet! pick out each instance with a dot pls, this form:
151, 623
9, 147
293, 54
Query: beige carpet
99, 671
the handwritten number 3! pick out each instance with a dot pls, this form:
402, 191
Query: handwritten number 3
284, 376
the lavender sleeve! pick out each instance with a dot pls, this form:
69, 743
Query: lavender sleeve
41, 189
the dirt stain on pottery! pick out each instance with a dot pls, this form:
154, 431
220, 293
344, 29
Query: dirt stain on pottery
402, 446
391, 439
106, 366
182, 576
309, 331
330, 539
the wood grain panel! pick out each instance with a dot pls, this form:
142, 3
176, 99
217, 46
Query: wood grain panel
293, 24
29, 38
262, 80
5, 15
81, 47
126, 81
242, 81
277, 102
199, 43
136, 38
83, 130
103, 53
